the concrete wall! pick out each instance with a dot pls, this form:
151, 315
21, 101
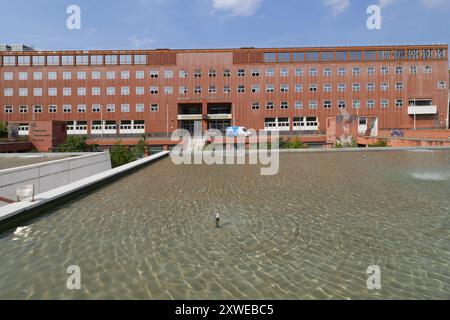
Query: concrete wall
53, 174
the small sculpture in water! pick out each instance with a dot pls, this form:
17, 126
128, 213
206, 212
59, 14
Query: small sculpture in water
217, 220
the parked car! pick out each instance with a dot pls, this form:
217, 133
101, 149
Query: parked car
238, 132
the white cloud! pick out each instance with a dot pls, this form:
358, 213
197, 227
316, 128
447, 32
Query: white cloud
237, 7
141, 42
337, 6
385, 3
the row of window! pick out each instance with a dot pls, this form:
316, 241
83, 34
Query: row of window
327, 104
270, 88
82, 108
169, 74
80, 60
140, 107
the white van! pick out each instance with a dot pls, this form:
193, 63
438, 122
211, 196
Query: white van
238, 132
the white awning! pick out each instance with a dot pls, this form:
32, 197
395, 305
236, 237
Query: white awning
422, 110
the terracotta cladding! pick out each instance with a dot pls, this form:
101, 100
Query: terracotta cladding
416, 86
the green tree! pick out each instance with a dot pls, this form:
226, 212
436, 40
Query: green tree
120, 155
3, 130
76, 144
138, 151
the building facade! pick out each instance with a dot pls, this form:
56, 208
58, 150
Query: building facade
111, 93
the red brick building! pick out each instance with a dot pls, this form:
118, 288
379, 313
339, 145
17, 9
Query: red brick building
122, 93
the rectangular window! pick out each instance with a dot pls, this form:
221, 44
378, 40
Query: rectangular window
370, 104
52, 109
81, 91
125, 91
298, 105
67, 75
52, 76
356, 87
9, 61
342, 104
8, 76
241, 73
110, 75
270, 88
313, 88
8, 92
399, 86
8, 109
255, 106
270, 57
284, 72
125, 108
299, 72
342, 71
37, 109
154, 107
371, 86
183, 74
168, 74
313, 72
110, 108
256, 73
356, 104
241, 89
67, 92
154, 90
298, 56
53, 60
197, 89
23, 76
23, 61
356, 71
327, 104
38, 60
327, 87
81, 75
81, 108
298, 88
384, 70
96, 108
284, 88
23, 109
140, 75
342, 87
67, 60
270, 105
284, 105
154, 74
96, 60
371, 71
82, 60
37, 92
125, 59
140, 91
23, 92
52, 92
227, 73
96, 91
140, 107
327, 72
212, 73
110, 91
284, 57
37, 75
413, 70
140, 59
270, 72
125, 75
226, 89
399, 70
256, 88
384, 86
212, 89
95, 75
111, 59
399, 103
428, 70
168, 90
67, 108
442, 85
313, 104
183, 90
197, 73
384, 103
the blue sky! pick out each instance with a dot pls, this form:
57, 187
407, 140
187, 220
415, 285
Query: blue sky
149, 24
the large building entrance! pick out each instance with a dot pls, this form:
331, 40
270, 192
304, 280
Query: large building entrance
220, 116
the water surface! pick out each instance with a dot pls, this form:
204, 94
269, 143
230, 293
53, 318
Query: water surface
309, 232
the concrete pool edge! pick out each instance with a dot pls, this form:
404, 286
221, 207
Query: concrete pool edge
17, 209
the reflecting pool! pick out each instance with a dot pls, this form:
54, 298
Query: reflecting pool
309, 232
